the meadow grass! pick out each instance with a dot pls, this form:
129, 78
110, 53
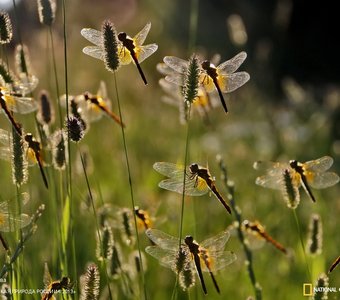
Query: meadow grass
69, 215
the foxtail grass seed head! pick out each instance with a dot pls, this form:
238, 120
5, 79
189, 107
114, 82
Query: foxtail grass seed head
75, 129
290, 191
187, 279
74, 109
127, 228
19, 161
6, 75
46, 10
59, 147
110, 43
181, 260
6, 32
321, 288
190, 88
105, 243
136, 262
90, 283
22, 59
45, 113
314, 242
115, 263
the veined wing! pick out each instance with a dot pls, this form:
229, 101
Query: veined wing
140, 37
217, 260
166, 258
270, 167
231, 65
11, 223
175, 78
23, 105
124, 54
26, 84
231, 82
163, 240
5, 153
94, 51
92, 35
168, 169
102, 90
323, 180
270, 181
192, 188
319, 165
217, 242
4, 137
144, 52
177, 64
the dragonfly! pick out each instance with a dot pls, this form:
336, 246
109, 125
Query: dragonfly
257, 229
143, 217
207, 256
9, 220
221, 78
129, 49
34, 150
312, 173
334, 264
94, 105
10, 103
53, 287
198, 180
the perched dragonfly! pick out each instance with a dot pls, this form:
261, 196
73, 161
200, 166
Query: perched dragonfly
198, 180
10, 103
34, 149
93, 106
207, 256
309, 174
334, 264
10, 221
129, 49
222, 78
258, 230
54, 287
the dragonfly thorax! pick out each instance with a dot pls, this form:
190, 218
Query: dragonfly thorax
294, 164
209, 68
126, 40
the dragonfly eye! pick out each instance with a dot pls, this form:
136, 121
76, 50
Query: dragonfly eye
189, 239
206, 64
293, 164
194, 168
122, 36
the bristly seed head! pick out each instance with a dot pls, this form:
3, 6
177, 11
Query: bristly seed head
190, 88
290, 191
6, 31
22, 59
5, 74
187, 279
90, 283
19, 161
45, 113
321, 288
105, 243
115, 264
110, 44
59, 153
75, 129
314, 243
46, 10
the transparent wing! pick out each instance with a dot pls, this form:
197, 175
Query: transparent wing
324, 180
140, 37
271, 167
166, 258
47, 276
271, 181
319, 165
102, 90
232, 82
169, 169
22, 105
218, 260
94, 51
177, 64
5, 153
4, 137
163, 240
26, 84
92, 35
145, 51
177, 79
231, 65
217, 242
191, 187
10, 222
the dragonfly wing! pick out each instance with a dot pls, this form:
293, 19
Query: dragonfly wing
92, 35
24, 105
102, 90
47, 276
11, 223
271, 181
94, 51
4, 137
177, 64
165, 257
231, 65
219, 260
176, 185
217, 242
163, 240
169, 169
145, 51
232, 82
319, 165
177, 79
5, 153
140, 37
323, 180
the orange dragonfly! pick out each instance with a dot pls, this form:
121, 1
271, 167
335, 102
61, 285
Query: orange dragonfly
309, 174
129, 49
10, 103
207, 256
198, 180
222, 78
334, 264
258, 230
54, 287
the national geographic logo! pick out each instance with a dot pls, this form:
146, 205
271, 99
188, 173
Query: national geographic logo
309, 290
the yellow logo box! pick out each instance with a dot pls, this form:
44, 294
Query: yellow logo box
307, 289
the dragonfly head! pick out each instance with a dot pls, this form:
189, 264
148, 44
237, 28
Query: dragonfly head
194, 168
293, 164
28, 137
122, 36
189, 240
87, 96
205, 64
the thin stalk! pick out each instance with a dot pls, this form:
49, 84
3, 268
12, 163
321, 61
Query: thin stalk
238, 216
302, 245
96, 220
131, 188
